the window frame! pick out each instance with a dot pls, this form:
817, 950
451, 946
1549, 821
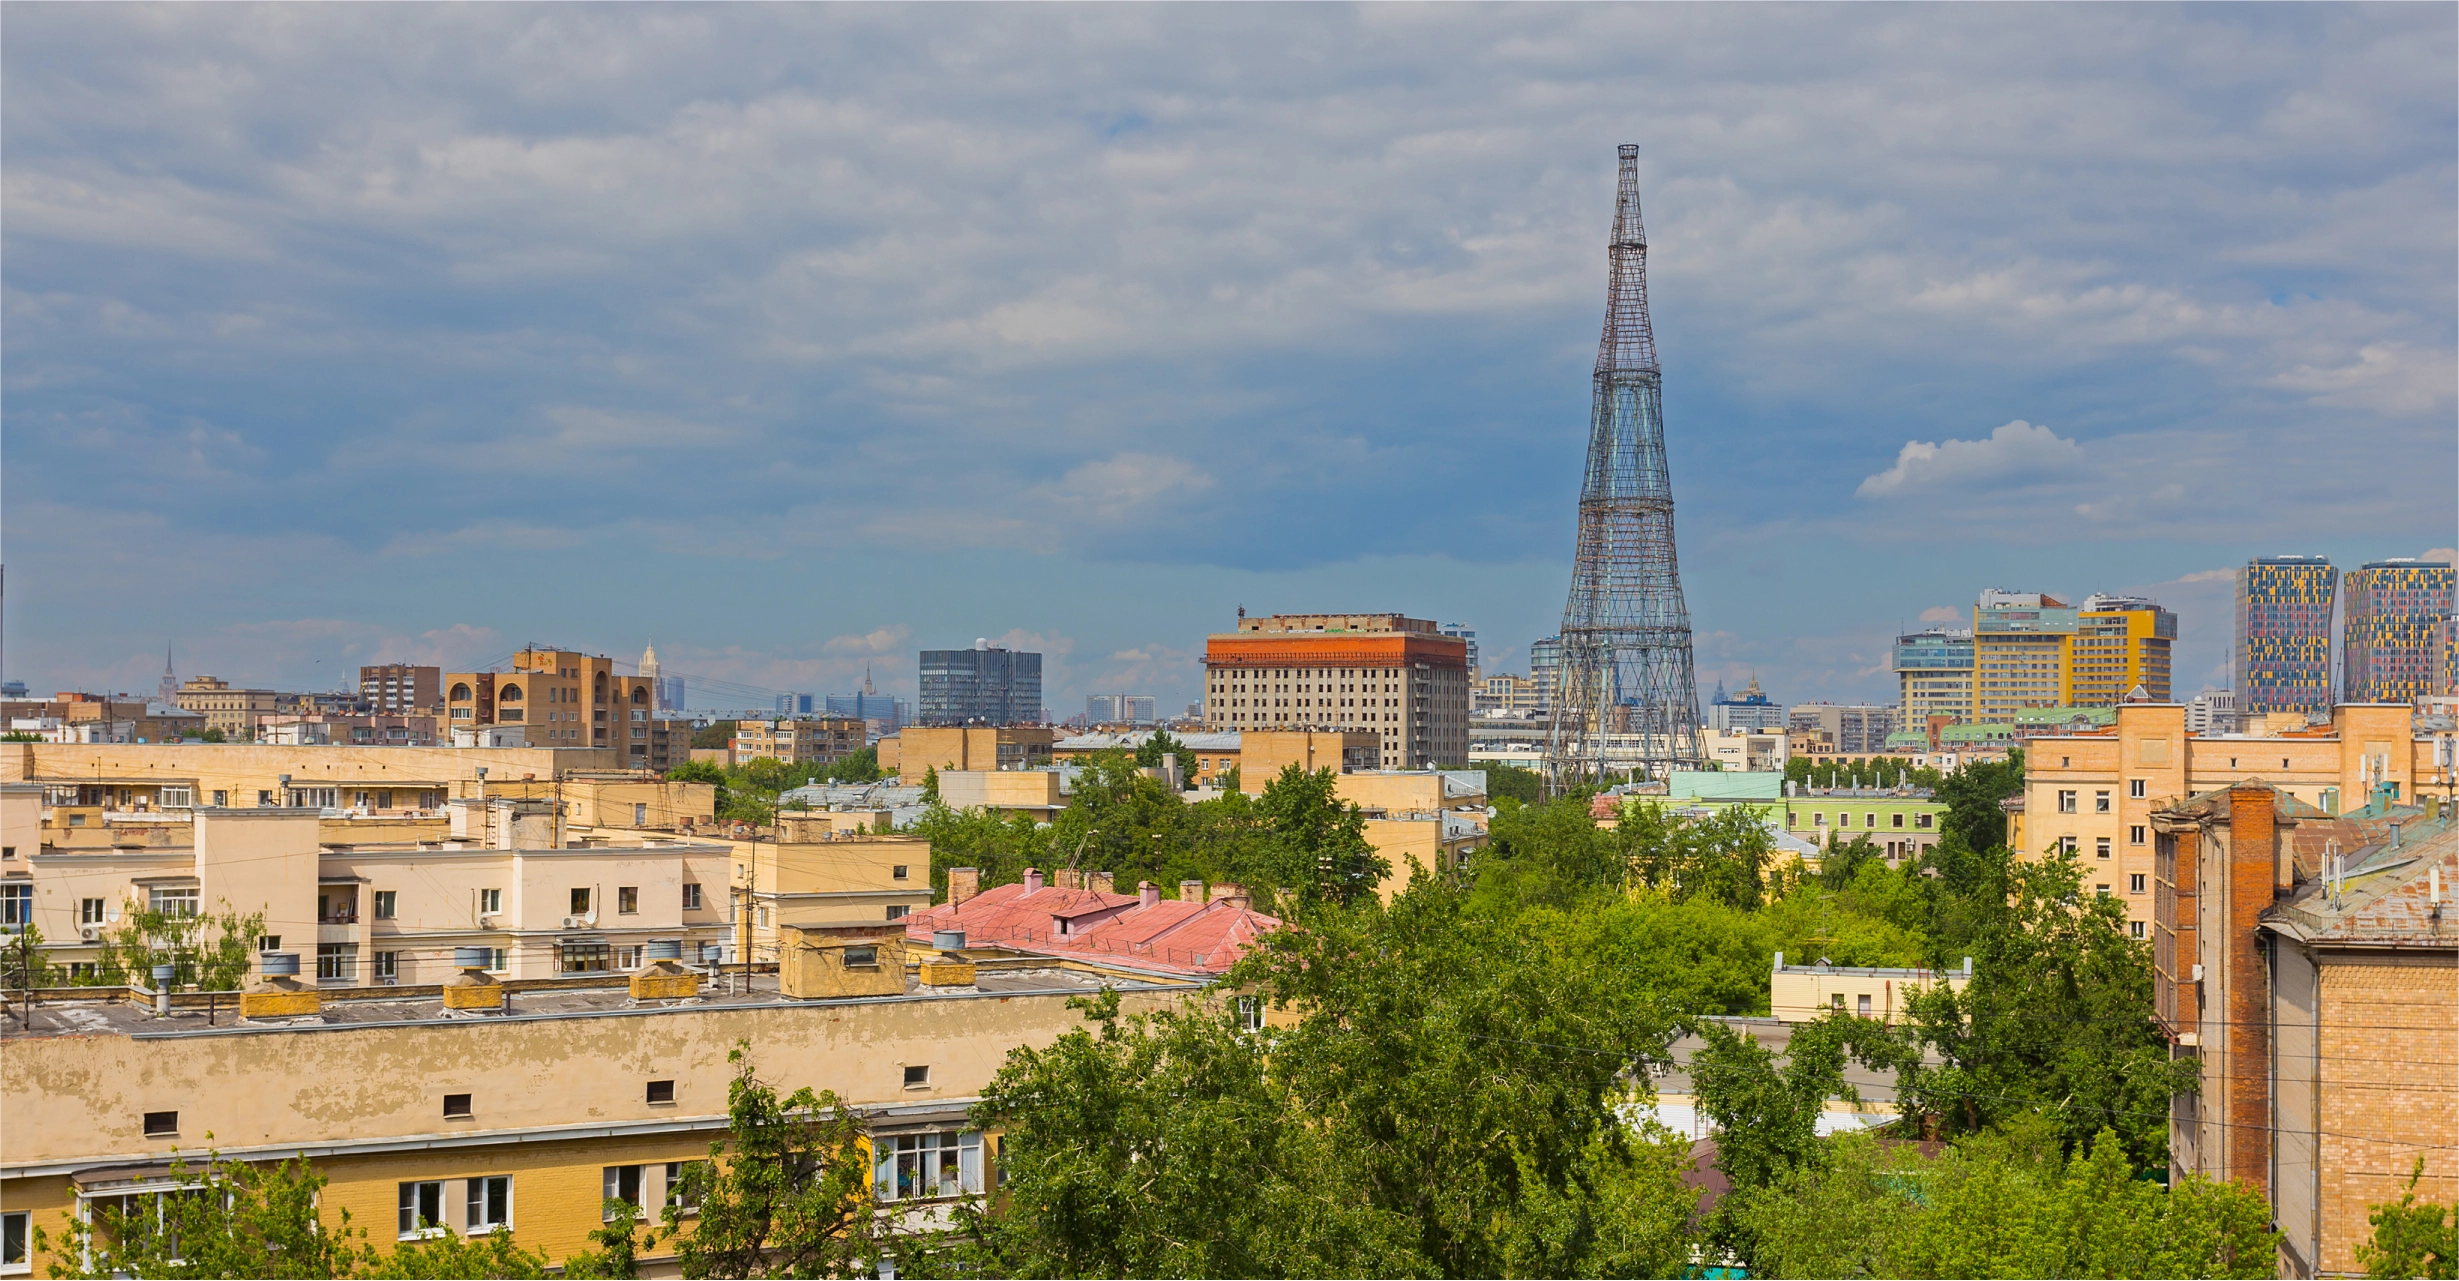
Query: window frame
386, 903
691, 896
627, 900
479, 1215
909, 1166
611, 1180
16, 1243
410, 1211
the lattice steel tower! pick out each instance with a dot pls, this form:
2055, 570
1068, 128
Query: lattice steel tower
1625, 698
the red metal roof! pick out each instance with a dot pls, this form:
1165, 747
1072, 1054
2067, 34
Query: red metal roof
1190, 938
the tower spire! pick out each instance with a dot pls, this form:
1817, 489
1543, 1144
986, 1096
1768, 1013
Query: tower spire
1628, 699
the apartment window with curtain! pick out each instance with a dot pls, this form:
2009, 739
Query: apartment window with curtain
934, 1163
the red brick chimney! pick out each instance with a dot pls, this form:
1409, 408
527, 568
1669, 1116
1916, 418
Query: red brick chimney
1147, 894
1033, 879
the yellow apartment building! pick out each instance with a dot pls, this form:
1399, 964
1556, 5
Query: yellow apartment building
2022, 653
527, 1102
2120, 642
559, 699
914, 751
1800, 993
2094, 794
809, 740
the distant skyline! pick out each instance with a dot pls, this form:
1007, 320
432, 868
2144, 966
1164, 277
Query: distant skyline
805, 338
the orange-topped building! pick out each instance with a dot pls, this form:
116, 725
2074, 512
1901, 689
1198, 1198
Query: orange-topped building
1399, 678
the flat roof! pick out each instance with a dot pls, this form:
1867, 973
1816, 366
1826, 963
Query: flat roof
111, 1016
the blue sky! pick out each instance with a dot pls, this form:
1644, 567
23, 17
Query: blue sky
799, 339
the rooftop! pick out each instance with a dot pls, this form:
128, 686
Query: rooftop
1172, 936
114, 1012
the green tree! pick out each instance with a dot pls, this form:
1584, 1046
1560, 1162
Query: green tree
232, 1219
1972, 794
211, 736
1151, 753
449, 1254
212, 952
2411, 1238
713, 734
1526, 786
854, 767
1319, 851
23, 961
787, 1192
930, 786
617, 1244
2057, 1018
1766, 1113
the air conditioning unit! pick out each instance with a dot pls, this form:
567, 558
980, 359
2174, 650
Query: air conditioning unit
575, 922
89, 932
2198, 974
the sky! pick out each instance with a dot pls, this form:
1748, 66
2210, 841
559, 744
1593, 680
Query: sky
799, 339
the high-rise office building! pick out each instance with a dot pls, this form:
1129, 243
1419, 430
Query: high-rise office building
1857, 730
2121, 642
2281, 661
986, 685
666, 692
1120, 709
2391, 646
1468, 636
1545, 667
2022, 652
1933, 671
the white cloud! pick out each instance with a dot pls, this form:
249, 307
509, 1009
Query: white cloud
2016, 455
1944, 614
882, 640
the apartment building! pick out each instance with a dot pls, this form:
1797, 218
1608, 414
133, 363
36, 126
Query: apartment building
251, 775
811, 740
1510, 695
1854, 730
402, 689
2121, 644
2093, 794
427, 1100
2393, 630
914, 751
1398, 678
2304, 963
230, 710
1749, 750
2022, 653
319, 729
558, 699
1120, 709
2282, 622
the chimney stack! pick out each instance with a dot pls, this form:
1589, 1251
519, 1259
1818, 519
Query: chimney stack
1101, 882
963, 883
1190, 891
1147, 894
1230, 892
1069, 878
1033, 879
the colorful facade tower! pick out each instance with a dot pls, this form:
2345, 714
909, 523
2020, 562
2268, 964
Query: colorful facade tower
2282, 658
2393, 638
1629, 700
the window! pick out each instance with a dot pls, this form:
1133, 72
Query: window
581, 958
16, 1251
2134, 929
2066, 801
490, 902
627, 958
900, 872
162, 1125
2101, 889
933, 1164
640, 809
178, 798
1818, 820
388, 965
2100, 847
456, 1107
422, 1209
221, 798
1924, 820
2134, 786
333, 961
2066, 844
917, 1074
764, 917
173, 900
1862, 1005
580, 902
627, 900
686, 1183
16, 904
1836, 1000
268, 942
1251, 1013
862, 958
1898, 820
896, 911
2134, 834
502, 961
384, 904
2134, 883
2100, 801
490, 1204
661, 1091
89, 911
623, 1184
691, 896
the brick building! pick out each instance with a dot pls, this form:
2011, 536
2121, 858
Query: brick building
1400, 679
2306, 962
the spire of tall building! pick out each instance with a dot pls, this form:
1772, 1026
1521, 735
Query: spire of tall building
169, 689
1628, 698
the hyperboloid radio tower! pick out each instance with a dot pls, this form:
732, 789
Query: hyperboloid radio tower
1624, 697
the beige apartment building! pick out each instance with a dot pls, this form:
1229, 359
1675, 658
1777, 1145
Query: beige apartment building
232, 711
2094, 794
914, 751
402, 689
427, 1101
803, 741
559, 699
1398, 678
2121, 644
